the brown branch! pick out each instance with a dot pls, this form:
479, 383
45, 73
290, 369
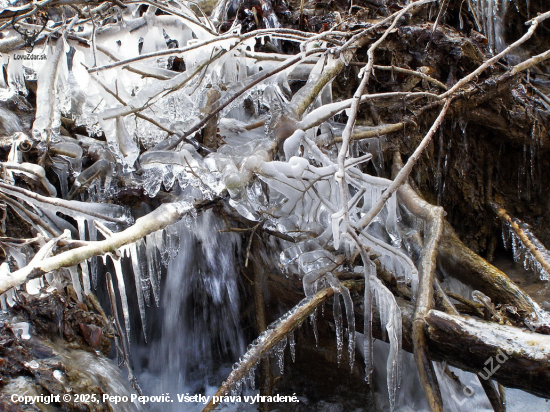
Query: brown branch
267, 340
523, 237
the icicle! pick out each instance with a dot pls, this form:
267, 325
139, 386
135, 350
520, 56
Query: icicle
313, 320
76, 282
350, 316
144, 271
339, 324
292, 344
369, 270
172, 241
279, 352
84, 265
162, 247
3, 302
123, 297
390, 320
251, 376
154, 266
136, 266
92, 231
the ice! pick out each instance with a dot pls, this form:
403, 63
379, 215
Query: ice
292, 144
21, 329
126, 144
117, 264
251, 376
489, 17
390, 320
153, 181
350, 314
369, 273
33, 286
339, 325
133, 253
279, 352
35, 172
61, 169
524, 253
75, 279
292, 345
153, 265
313, 321
47, 119
92, 232
144, 271
84, 265
74, 208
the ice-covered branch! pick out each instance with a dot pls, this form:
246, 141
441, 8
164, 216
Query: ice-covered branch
230, 97
406, 170
268, 339
161, 217
237, 37
531, 245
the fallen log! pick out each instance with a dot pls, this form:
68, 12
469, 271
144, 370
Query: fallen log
512, 356
460, 262
464, 342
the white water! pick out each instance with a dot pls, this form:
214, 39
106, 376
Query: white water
196, 334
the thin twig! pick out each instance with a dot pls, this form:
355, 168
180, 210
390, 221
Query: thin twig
406, 170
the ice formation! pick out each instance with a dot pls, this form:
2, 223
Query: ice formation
137, 102
522, 252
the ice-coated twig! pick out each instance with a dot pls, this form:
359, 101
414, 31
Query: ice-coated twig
14, 279
194, 46
279, 330
187, 18
36, 172
161, 217
224, 102
108, 212
28, 215
340, 175
533, 246
322, 114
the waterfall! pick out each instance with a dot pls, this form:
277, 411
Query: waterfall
200, 330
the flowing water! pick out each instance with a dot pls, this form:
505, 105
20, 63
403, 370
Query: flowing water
198, 332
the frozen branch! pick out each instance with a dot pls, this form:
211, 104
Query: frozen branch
405, 171
268, 339
161, 217
530, 242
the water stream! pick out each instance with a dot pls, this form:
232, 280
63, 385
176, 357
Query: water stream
196, 334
